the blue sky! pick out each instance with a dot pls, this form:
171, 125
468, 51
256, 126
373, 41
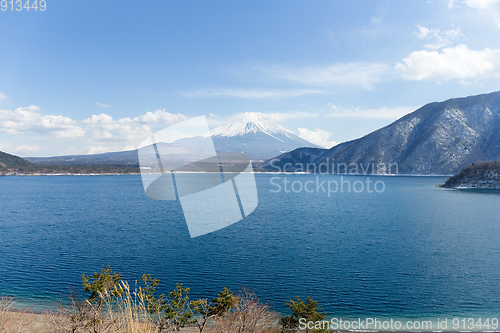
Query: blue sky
94, 76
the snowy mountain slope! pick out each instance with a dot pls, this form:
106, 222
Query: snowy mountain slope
254, 135
438, 138
250, 122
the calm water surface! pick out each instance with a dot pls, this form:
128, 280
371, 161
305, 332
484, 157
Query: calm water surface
413, 250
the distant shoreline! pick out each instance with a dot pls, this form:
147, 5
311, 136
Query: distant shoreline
202, 172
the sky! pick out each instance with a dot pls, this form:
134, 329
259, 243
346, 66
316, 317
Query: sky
84, 77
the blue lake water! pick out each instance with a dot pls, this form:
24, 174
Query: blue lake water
412, 250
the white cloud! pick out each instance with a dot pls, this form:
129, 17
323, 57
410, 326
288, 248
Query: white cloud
252, 93
458, 62
475, 82
487, 7
99, 119
2, 96
379, 113
101, 128
130, 147
30, 119
30, 149
319, 137
103, 105
105, 129
440, 39
364, 75
423, 32
99, 150
483, 4
160, 116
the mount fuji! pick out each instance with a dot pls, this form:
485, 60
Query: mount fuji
254, 135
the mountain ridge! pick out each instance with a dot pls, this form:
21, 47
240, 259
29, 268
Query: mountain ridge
438, 138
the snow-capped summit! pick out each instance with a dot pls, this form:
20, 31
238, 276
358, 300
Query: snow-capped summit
254, 134
250, 122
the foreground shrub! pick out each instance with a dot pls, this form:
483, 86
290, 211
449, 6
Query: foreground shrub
167, 313
248, 315
216, 307
300, 309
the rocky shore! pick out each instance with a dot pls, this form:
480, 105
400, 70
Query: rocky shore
481, 176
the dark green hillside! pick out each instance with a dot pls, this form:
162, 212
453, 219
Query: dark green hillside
12, 161
14, 165
480, 175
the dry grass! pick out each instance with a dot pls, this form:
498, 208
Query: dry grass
128, 314
14, 320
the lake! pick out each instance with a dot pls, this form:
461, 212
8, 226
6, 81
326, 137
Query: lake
411, 250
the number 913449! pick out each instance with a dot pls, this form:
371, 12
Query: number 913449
19, 5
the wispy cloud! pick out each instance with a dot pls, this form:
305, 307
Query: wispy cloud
30, 149
378, 113
360, 74
319, 137
251, 93
374, 28
458, 62
2, 96
100, 149
279, 117
440, 38
102, 105
489, 8
451, 3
